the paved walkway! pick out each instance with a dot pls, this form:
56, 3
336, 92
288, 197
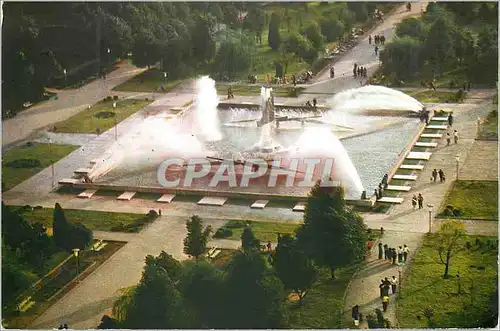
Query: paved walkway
69, 103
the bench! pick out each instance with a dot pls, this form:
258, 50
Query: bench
213, 252
26, 304
99, 245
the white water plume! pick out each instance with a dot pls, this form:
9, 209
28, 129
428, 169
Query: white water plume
374, 98
206, 109
321, 142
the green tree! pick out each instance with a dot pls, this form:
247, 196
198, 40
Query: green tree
69, 236
203, 43
450, 237
253, 294
285, 58
439, 45
172, 266
195, 243
293, 267
486, 67
411, 27
333, 30
402, 58
359, 9
332, 234
274, 37
313, 33
301, 46
248, 240
234, 54
156, 303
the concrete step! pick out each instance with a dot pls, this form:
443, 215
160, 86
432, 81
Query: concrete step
436, 127
166, 198
259, 204
431, 135
419, 156
391, 200
126, 196
301, 206
424, 144
405, 177
412, 166
213, 201
440, 119
87, 194
398, 188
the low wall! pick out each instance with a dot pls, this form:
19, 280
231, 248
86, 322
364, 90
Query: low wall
226, 105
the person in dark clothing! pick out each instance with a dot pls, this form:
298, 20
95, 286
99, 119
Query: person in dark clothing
332, 72
386, 251
315, 102
381, 287
450, 119
370, 39
382, 39
386, 286
441, 175
394, 255
376, 194
434, 175
294, 80
380, 251
376, 50
420, 201
389, 254
448, 139
355, 314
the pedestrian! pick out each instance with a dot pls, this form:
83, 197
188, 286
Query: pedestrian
381, 287
450, 119
380, 251
385, 303
406, 251
370, 39
376, 50
269, 246
394, 255
389, 254
400, 255
455, 136
441, 175
394, 284
332, 72
434, 175
386, 251
414, 201
355, 315
315, 102
268, 79
448, 139
386, 287
420, 201
159, 212
382, 39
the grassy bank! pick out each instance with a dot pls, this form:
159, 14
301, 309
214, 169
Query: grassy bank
148, 81
101, 117
94, 220
489, 128
424, 287
435, 96
264, 231
472, 199
43, 155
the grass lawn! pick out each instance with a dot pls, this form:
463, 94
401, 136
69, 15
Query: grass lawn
264, 231
424, 287
101, 117
148, 81
323, 305
489, 128
245, 90
434, 96
46, 154
94, 220
475, 199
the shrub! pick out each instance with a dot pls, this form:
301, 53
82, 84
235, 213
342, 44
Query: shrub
468, 245
108, 98
24, 163
235, 224
118, 228
223, 232
332, 29
152, 214
104, 114
115, 97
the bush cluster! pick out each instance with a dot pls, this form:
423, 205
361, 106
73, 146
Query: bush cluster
24, 163
452, 211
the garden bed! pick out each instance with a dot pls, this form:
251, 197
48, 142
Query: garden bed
264, 231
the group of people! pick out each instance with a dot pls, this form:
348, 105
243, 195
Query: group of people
313, 104
379, 193
448, 137
63, 326
359, 71
378, 40
391, 254
385, 285
230, 94
418, 200
435, 173
424, 115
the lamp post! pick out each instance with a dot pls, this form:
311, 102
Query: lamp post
430, 217
64, 72
457, 159
116, 128
76, 252
51, 161
109, 55
400, 272
164, 76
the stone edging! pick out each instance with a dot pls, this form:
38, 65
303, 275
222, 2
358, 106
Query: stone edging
358, 269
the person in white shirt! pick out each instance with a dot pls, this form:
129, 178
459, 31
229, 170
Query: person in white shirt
394, 284
406, 251
455, 136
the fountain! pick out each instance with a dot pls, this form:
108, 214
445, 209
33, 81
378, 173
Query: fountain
206, 109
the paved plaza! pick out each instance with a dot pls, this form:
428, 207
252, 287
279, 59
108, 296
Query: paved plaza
83, 306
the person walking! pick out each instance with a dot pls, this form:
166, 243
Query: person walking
455, 136
414, 201
434, 175
389, 254
380, 251
369, 39
386, 252
448, 139
385, 303
441, 175
376, 50
386, 287
394, 284
406, 251
381, 287
400, 255
450, 119
355, 315
394, 255
420, 201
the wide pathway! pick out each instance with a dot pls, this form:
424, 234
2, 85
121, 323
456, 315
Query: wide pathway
69, 103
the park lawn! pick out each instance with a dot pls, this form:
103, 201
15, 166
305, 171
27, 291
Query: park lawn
323, 305
264, 231
47, 154
87, 122
246, 90
475, 199
148, 81
94, 220
434, 96
489, 128
424, 287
